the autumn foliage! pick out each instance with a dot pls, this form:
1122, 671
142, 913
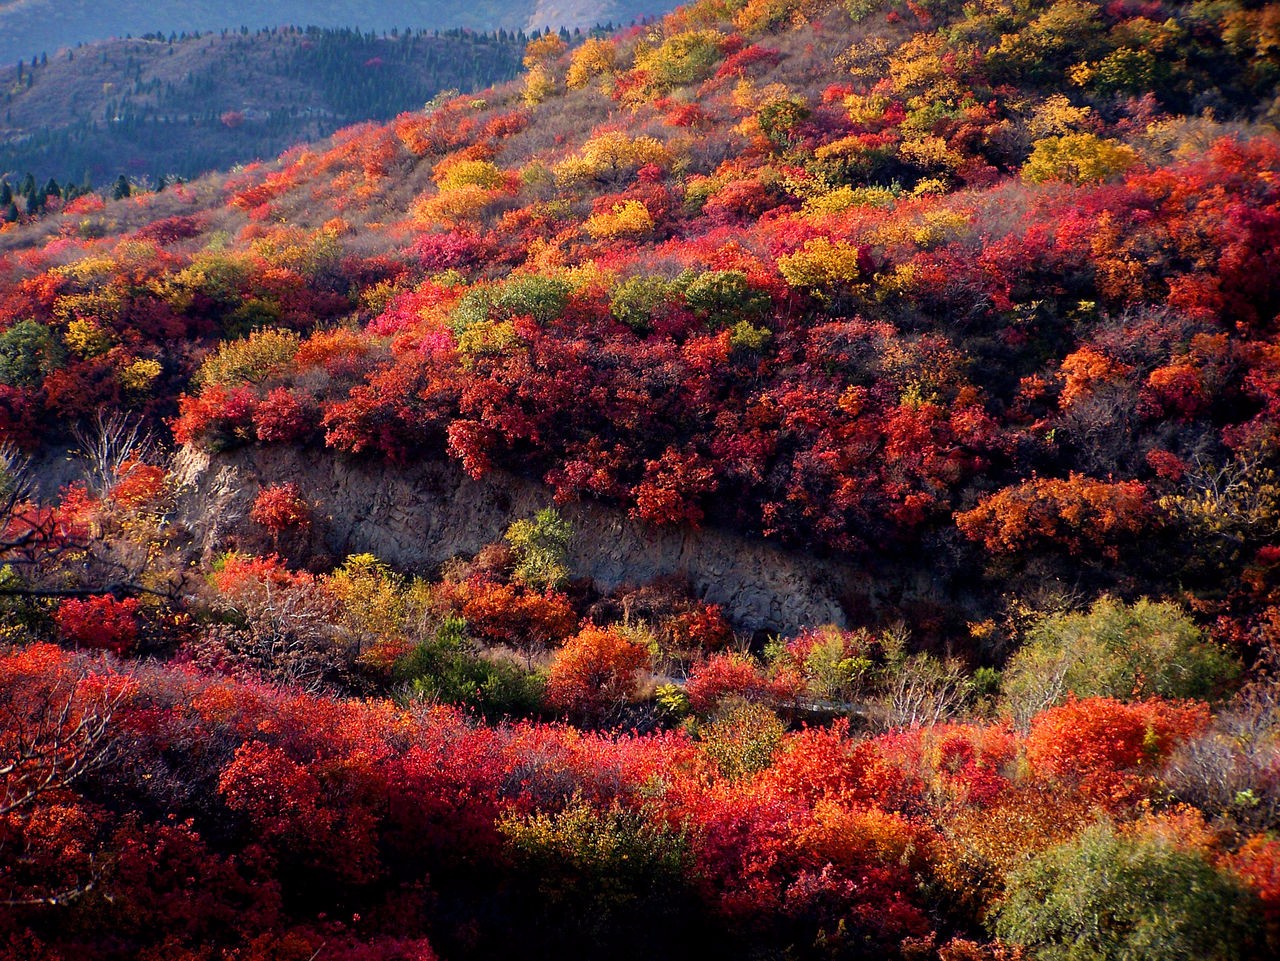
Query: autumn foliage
969, 310
104, 623
595, 671
281, 508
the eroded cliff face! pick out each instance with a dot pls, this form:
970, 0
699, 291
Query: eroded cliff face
416, 517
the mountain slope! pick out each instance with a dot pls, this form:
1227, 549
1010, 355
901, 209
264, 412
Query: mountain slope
862, 283
209, 101
29, 28
954, 324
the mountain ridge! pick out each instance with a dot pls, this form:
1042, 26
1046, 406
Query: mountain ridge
29, 29
153, 107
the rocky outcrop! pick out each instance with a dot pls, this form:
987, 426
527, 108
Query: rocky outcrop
418, 516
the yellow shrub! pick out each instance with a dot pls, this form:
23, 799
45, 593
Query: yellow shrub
543, 50
682, 59
609, 157
931, 153
86, 339
468, 173
453, 206
628, 219
587, 277
844, 197
95, 305
866, 109
760, 15
939, 226
821, 263
487, 337
595, 58
1057, 116
138, 376
1077, 158
539, 84
88, 270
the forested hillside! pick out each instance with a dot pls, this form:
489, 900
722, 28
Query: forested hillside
30, 28
181, 106
981, 297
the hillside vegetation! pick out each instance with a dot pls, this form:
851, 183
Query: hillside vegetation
983, 296
29, 28
183, 106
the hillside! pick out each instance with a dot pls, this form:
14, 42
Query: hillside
30, 28
186, 106
799, 479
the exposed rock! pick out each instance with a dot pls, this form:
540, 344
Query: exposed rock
418, 516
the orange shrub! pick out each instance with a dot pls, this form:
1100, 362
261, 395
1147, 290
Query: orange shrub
1079, 514
597, 671
1105, 747
137, 485
507, 614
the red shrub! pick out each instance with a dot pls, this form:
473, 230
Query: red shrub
736, 676
102, 623
280, 508
1106, 746
282, 417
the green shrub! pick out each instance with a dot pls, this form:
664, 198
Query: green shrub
724, 296
28, 351
636, 300
1115, 650
1106, 896
448, 669
542, 298
541, 548
602, 876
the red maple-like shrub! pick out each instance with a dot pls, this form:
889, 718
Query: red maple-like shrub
101, 623
280, 508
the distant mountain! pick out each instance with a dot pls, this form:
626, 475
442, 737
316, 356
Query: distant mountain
29, 28
152, 107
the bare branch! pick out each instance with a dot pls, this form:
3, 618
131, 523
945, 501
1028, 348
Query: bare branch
52, 737
108, 443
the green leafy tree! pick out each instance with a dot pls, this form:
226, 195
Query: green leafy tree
1107, 896
541, 548
28, 351
1114, 650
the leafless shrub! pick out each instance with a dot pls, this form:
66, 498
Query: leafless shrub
918, 690
107, 443
1233, 769
290, 634
17, 486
